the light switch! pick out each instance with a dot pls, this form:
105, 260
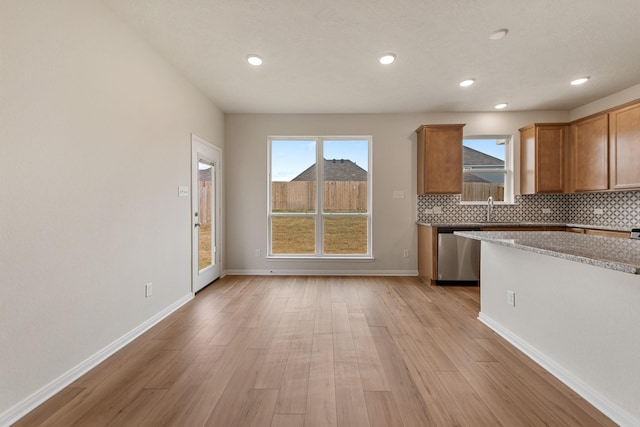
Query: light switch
398, 194
183, 191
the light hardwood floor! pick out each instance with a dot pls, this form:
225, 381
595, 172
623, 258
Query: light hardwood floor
319, 351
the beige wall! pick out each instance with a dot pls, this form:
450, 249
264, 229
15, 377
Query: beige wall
394, 168
94, 142
619, 98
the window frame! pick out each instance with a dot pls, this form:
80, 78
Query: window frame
319, 214
507, 171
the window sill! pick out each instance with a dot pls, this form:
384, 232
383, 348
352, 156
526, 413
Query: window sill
318, 258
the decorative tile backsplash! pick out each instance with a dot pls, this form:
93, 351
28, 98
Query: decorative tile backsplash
619, 210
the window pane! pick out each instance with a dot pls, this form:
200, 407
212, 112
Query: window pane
478, 186
345, 235
293, 176
205, 208
345, 186
483, 153
301, 194
293, 235
480, 155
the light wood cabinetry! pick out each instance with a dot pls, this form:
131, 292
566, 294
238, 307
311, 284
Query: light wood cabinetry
428, 246
596, 232
440, 159
624, 147
542, 158
427, 252
605, 150
589, 154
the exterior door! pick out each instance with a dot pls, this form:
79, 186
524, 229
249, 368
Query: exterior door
205, 196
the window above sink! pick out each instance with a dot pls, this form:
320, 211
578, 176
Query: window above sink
487, 169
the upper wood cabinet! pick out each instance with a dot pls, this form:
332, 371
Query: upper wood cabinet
542, 158
589, 154
440, 159
624, 147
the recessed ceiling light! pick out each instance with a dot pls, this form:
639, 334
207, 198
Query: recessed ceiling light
254, 59
387, 58
468, 82
498, 34
580, 81
500, 106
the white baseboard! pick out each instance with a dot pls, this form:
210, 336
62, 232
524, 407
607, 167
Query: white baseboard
610, 409
289, 272
27, 405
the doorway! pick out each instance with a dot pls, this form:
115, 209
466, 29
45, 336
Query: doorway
205, 211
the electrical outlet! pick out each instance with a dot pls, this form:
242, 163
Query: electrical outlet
598, 211
398, 194
428, 211
148, 290
511, 298
405, 253
258, 252
437, 209
546, 210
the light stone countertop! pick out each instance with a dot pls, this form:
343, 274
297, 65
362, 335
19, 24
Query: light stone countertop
607, 252
519, 224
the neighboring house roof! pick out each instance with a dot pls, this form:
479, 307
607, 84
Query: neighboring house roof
204, 174
335, 170
478, 158
473, 157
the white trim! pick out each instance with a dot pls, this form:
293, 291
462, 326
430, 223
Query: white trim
318, 214
508, 170
610, 409
27, 405
201, 148
290, 272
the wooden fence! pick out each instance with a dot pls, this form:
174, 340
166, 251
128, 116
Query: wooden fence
481, 191
349, 196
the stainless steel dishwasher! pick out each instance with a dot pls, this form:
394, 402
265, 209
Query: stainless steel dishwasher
458, 257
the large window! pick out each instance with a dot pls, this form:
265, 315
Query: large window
486, 169
320, 211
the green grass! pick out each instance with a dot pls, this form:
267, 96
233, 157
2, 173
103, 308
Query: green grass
204, 246
296, 235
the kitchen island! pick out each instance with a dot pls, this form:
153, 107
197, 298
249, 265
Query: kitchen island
572, 303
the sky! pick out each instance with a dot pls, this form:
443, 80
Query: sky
487, 146
289, 158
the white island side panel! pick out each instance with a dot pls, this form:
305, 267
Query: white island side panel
580, 322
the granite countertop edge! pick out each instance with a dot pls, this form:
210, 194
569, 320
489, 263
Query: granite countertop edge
620, 248
520, 224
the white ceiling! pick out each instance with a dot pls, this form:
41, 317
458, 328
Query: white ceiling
320, 56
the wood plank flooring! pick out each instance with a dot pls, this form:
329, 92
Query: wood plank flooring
319, 351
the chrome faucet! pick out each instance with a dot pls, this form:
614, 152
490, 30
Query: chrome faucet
489, 208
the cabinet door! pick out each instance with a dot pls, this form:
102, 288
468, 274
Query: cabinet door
528, 160
440, 159
550, 148
624, 147
542, 158
427, 252
589, 149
